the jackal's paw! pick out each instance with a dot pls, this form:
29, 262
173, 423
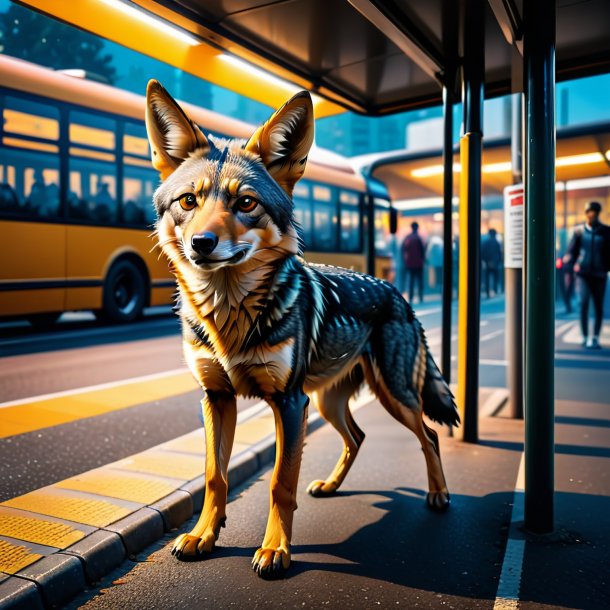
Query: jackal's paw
270, 564
438, 500
320, 489
188, 547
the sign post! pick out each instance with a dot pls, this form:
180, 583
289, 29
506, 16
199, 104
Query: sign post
514, 199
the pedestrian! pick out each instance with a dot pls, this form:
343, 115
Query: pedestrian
589, 252
491, 256
413, 258
434, 260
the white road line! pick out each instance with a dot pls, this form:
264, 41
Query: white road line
582, 358
492, 335
507, 596
494, 403
428, 312
564, 327
92, 388
487, 361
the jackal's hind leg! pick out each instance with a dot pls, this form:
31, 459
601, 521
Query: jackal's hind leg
220, 417
438, 494
332, 403
273, 558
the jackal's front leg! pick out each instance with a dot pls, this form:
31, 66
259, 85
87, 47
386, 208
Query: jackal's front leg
290, 410
220, 416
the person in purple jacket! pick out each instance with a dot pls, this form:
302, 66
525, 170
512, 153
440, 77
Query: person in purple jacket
413, 255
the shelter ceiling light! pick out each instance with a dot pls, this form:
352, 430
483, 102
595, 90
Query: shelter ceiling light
496, 168
432, 170
595, 157
421, 203
253, 70
139, 14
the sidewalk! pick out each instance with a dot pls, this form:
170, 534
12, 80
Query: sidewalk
461, 557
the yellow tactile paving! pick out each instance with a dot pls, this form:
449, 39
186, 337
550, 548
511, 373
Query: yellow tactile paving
165, 464
63, 409
98, 513
14, 557
115, 484
255, 430
190, 443
39, 531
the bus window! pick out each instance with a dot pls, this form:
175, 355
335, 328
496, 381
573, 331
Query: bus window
139, 178
29, 161
92, 130
350, 221
383, 236
135, 141
92, 191
25, 118
302, 211
92, 187
138, 188
324, 219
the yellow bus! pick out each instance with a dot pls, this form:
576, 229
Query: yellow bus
76, 190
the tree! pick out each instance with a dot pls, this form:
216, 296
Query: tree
29, 35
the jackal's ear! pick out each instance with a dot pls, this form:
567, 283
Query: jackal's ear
283, 142
172, 135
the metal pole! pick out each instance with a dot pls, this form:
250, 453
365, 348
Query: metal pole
470, 219
447, 234
514, 283
539, 71
370, 242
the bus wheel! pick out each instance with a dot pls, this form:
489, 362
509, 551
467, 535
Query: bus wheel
124, 293
42, 321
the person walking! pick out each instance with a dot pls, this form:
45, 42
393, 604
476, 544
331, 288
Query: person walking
491, 255
413, 252
589, 252
434, 260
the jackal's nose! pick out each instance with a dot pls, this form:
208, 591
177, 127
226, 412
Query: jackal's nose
204, 243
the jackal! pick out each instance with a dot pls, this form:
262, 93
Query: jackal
258, 320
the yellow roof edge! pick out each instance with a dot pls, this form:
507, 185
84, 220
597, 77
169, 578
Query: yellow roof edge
200, 59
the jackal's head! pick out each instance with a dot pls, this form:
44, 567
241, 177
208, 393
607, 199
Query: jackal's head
225, 202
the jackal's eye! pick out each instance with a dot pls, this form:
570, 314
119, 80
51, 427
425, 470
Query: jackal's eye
187, 201
246, 204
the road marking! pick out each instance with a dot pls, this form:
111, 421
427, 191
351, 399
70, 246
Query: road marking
507, 596
492, 335
582, 358
564, 327
28, 415
92, 388
427, 312
487, 361
494, 403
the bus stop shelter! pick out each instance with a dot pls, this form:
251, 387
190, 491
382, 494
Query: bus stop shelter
378, 57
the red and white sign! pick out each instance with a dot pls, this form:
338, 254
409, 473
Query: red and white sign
514, 197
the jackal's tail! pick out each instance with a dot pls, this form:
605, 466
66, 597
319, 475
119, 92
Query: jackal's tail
438, 403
